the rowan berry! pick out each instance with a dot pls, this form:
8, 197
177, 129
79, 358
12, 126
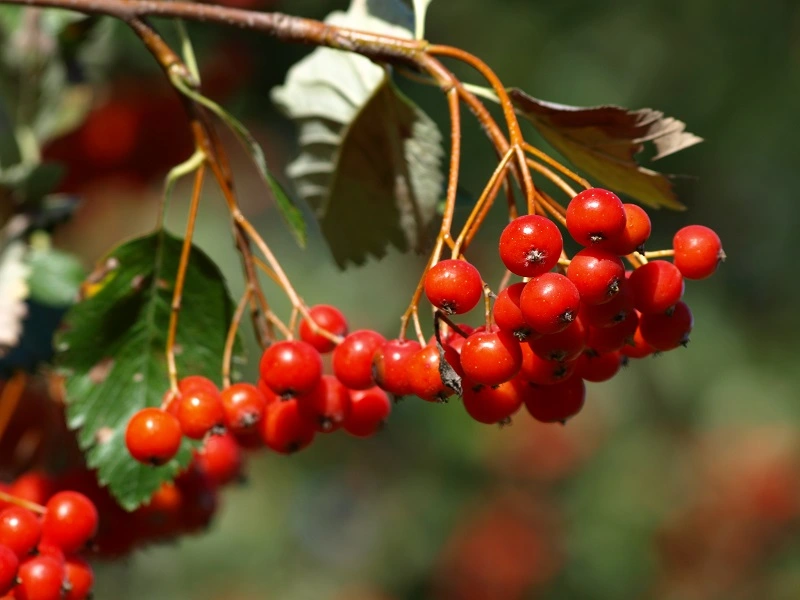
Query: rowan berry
609, 313
637, 347
507, 313
636, 233
327, 406
609, 339
492, 404
549, 303
352, 359
9, 563
555, 403
565, 345
424, 374
598, 275
193, 383
368, 413
390, 366
198, 412
40, 578
668, 330
656, 286
328, 318
596, 367
220, 458
291, 367
244, 407
453, 286
491, 357
530, 245
596, 216
70, 521
79, 579
284, 429
698, 251
153, 436
542, 371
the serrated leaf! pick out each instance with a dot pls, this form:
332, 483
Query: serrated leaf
290, 212
112, 353
604, 141
55, 276
366, 151
420, 10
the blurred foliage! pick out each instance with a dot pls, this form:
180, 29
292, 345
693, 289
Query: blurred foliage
679, 480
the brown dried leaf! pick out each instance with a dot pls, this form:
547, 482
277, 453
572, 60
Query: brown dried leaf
603, 141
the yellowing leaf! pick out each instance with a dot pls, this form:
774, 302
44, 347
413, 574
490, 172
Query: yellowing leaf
603, 141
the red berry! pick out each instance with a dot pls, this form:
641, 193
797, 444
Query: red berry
592, 366
70, 521
656, 286
668, 330
153, 436
609, 339
565, 345
326, 317
637, 347
327, 406
542, 371
369, 411
453, 286
555, 403
698, 251
198, 499
198, 412
244, 407
491, 357
220, 458
33, 486
284, 429
507, 313
636, 232
530, 245
492, 404
352, 359
424, 376
291, 367
390, 366
40, 578
9, 563
197, 382
598, 275
596, 216
549, 303
612, 312
79, 578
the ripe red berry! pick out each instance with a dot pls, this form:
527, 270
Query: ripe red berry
656, 286
244, 407
596, 216
291, 367
284, 429
79, 579
530, 245
220, 458
549, 303
598, 275
352, 359
555, 403
491, 357
199, 499
637, 347
369, 411
565, 345
193, 383
609, 313
636, 232
390, 366
40, 578
698, 251
492, 404
199, 412
592, 366
668, 330
9, 563
507, 313
542, 371
70, 521
609, 339
326, 317
327, 406
424, 376
34, 486
453, 286
153, 436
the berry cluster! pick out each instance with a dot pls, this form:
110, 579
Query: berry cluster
569, 321
40, 547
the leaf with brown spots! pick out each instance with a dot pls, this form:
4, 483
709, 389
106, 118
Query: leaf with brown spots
604, 141
111, 351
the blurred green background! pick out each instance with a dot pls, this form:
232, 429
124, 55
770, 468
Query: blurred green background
680, 478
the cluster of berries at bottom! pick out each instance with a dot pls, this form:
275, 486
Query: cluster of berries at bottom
40, 551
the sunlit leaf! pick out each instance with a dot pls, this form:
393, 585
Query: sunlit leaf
604, 142
112, 352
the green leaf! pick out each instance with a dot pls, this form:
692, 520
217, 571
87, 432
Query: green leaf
603, 141
366, 151
55, 276
112, 352
291, 213
420, 9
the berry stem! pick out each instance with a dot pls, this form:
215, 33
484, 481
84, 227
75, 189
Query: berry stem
487, 302
554, 177
230, 339
659, 254
531, 149
551, 206
9, 398
26, 504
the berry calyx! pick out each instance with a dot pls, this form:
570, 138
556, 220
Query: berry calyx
491, 357
698, 251
327, 406
530, 245
153, 436
284, 429
291, 367
70, 521
542, 371
549, 303
453, 286
369, 410
596, 216
352, 359
555, 403
326, 317
244, 405
598, 275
